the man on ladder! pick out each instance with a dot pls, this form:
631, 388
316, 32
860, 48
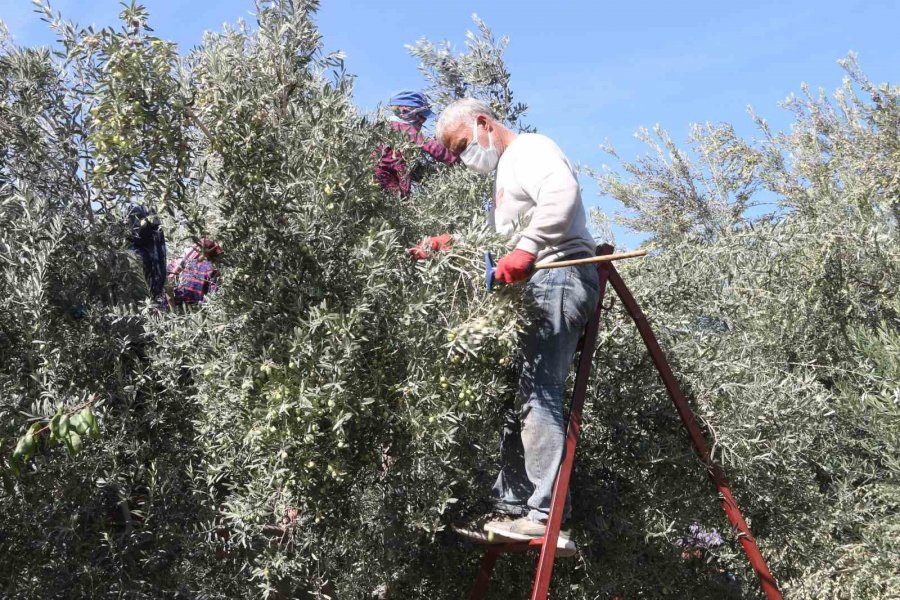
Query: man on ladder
535, 184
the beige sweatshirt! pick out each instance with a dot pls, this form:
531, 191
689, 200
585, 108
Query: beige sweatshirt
537, 201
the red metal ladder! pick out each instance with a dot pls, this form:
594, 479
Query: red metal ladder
547, 544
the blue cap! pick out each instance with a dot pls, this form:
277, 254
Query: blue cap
412, 99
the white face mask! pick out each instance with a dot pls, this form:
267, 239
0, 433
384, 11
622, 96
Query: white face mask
480, 160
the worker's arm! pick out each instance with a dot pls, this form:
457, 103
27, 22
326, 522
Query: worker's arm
555, 193
430, 245
431, 146
437, 150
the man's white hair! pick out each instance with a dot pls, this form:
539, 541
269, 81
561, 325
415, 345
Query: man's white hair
464, 109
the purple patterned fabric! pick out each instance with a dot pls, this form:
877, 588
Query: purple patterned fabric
392, 171
701, 538
196, 278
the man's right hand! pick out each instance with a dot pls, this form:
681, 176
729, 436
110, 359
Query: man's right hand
514, 267
431, 244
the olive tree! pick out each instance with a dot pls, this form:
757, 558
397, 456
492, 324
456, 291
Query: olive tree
314, 428
784, 330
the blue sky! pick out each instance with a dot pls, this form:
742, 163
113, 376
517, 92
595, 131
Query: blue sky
589, 70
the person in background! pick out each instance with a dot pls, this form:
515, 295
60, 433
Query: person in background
410, 111
149, 242
195, 275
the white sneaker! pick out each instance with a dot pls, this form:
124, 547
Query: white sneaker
473, 534
525, 529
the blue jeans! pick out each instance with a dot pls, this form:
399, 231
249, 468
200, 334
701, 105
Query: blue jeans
532, 441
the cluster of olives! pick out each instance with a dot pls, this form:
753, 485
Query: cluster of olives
127, 116
65, 428
483, 338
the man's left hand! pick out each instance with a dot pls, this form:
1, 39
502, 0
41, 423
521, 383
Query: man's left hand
514, 267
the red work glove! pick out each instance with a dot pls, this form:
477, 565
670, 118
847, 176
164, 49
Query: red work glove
431, 244
515, 266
